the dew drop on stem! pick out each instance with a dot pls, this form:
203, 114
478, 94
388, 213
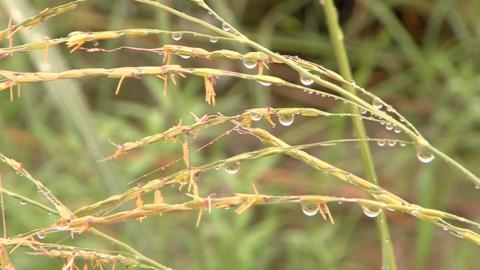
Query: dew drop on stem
74, 33
184, 56
310, 209
392, 143
232, 167
377, 103
286, 119
176, 36
213, 39
305, 80
265, 83
424, 154
23, 203
371, 212
250, 63
41, 235
256, 116
226, 27
381, 143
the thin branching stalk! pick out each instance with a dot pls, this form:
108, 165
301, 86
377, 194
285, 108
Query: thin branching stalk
28, 242
245, 201
421, 142
364, 106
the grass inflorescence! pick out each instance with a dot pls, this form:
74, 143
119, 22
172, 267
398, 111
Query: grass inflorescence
146, 199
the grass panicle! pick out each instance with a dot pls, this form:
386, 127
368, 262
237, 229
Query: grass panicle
136, 204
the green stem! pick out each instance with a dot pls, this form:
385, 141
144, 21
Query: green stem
336, 36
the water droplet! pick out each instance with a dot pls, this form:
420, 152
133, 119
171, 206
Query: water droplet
402, 144
250, 63
377, 103
232, 167
226, 27
305, 80
213, 39
286, 119
388, 126
23, 203
41, 235
477, 186
381, 143
184, 56
371, 211
397, 130
74, 33
310, 209
176, 36
363, 111
265, 83
256, 116
392, 143
424, 154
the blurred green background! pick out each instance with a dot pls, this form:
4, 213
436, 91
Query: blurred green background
420, 56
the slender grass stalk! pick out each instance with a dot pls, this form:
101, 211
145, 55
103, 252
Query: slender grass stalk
100, 234
421, 142
336, 36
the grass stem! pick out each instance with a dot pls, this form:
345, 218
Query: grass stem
336, 36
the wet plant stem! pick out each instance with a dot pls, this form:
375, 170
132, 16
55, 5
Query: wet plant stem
336, 36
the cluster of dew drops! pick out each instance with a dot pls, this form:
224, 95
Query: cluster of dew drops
311, 209
177, 36
285, 119
424, 155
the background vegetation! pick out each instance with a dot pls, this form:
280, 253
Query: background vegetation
420, 56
